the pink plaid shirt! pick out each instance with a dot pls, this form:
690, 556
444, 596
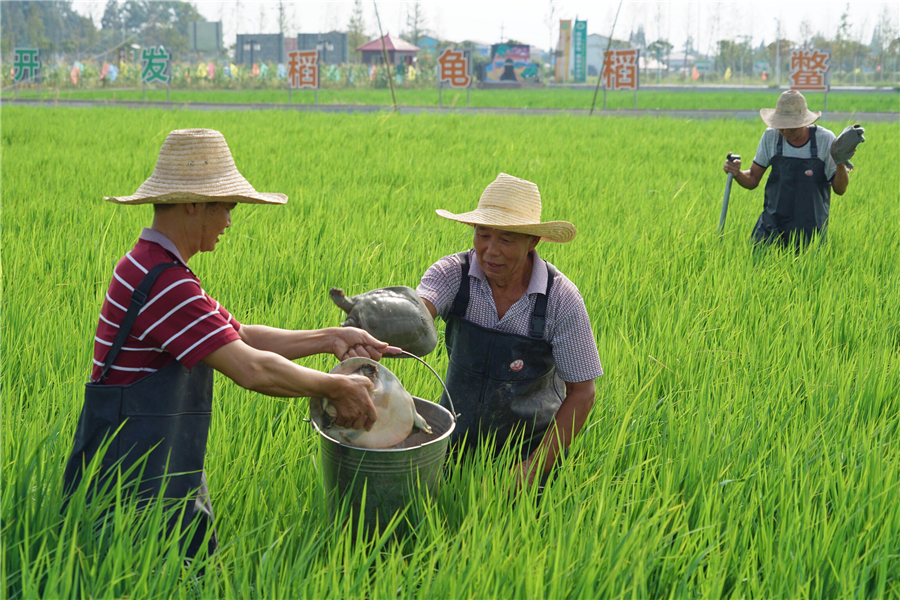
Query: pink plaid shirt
567, 330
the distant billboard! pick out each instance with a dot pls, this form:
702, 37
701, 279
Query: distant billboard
509, 63
205, 36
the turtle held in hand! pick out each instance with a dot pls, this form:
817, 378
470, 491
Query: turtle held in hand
395, 315
395, 407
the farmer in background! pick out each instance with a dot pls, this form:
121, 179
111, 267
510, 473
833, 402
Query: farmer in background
160, 337
798, 191
522, 354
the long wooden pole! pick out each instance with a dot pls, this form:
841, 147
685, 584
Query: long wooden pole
603, 63
385, 54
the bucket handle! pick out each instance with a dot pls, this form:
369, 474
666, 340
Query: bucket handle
411, 355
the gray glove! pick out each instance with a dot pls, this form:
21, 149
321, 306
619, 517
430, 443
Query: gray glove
846, 143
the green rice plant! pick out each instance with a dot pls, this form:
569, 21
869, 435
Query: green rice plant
551, 97
743, 439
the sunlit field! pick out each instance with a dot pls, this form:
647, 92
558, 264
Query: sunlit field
744, 437
554, 97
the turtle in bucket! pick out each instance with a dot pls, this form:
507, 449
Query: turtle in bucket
395, 315
395, 407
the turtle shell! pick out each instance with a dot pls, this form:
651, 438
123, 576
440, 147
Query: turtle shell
395, 315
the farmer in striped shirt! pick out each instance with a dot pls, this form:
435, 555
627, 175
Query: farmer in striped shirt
161, 336
522, 354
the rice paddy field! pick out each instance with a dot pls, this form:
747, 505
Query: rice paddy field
581, 98
743, 443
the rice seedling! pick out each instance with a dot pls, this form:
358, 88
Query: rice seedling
743, 440
554, 97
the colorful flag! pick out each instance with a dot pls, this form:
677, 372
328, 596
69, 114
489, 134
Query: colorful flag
695, 74
728, 74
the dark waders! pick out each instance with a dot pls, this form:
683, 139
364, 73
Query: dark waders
165, 417
502, 384
797, 198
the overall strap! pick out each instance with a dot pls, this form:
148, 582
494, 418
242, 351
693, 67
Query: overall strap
813, 149
779, 145
138, 299
461, 301
539, 315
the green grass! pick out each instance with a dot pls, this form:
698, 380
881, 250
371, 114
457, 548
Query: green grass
525, 98
744, 439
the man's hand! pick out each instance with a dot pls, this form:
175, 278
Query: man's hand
732, 167
350, 396
349, 342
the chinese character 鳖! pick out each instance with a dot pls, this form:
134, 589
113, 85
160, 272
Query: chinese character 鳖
620, 71
808, 70
155, 65
27, 65
303, 69
454, 68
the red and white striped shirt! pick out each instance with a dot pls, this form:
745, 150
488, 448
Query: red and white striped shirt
178, 322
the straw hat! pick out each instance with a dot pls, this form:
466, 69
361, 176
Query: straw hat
195, 165
513, 204
790, 112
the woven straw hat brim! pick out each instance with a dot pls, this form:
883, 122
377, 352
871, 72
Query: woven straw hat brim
774, 120
188, 197
195, 165
550, 231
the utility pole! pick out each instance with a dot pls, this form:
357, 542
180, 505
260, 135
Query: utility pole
778, 53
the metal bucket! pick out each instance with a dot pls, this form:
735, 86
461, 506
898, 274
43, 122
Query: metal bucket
380, 483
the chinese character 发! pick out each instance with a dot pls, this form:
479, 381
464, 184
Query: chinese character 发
454, 68
620, 71
27, 64
303, 69
155, 63
808, 70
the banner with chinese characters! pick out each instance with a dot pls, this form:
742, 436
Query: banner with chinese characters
620, 70
562, 51
579, 45
508, 63
454, 69
809, 70
27, 65
303, 69
155, 65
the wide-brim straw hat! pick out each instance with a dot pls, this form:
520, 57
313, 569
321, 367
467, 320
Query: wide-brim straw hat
790, 112
195, 165
513, 204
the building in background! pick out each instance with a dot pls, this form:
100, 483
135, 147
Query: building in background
429, 43
333, 47
596, 46
259, 48
205, 37
399, 51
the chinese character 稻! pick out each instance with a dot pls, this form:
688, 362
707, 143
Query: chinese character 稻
155, 63
620, 71
454, 68
303, 69
27, 64
808, 70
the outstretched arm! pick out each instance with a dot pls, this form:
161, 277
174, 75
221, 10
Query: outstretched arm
342, 342
273, 375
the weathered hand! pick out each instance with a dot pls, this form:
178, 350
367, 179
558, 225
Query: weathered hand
349, 342
732, 166
350, 397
